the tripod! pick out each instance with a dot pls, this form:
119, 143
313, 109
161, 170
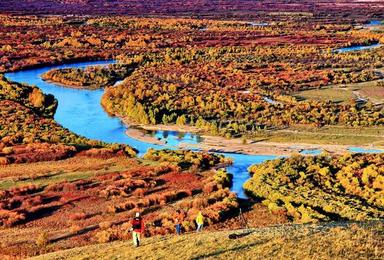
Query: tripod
243, 219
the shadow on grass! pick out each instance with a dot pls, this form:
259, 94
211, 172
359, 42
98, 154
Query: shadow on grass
233, 249
239, 235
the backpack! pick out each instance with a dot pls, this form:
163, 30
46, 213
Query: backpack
136, 223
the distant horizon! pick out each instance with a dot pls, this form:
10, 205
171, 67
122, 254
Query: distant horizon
239, 9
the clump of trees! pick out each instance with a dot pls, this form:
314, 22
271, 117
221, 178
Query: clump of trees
187, 159
30, 97
93, 77
349, 186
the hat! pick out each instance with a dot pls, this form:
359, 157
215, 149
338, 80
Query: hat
137, 214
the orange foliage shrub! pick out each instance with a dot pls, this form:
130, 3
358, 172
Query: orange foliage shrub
78, 216
37, 98
210, 187
9, 218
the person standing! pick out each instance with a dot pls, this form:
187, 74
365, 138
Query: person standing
137, 229
178, 218
199, 221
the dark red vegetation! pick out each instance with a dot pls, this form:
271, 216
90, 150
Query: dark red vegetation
65, 211
40, 152
36, 153
197, 8
37, 41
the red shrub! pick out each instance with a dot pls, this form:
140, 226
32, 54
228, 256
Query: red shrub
109, 176
138, 192
9, 218
78, 216
199, 203
121, 207
68, 187
34, 201
28, 189
210, 187
57, 187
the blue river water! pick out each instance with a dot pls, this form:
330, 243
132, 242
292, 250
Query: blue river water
80, 111
362, 47
364, 150
375, 23
261, 24
311, 152
358, 48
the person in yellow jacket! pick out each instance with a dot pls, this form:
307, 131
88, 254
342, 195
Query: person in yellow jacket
199, 221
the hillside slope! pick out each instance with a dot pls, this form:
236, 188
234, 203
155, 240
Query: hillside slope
325, 241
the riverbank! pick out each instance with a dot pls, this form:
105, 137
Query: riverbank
81, 87
233, 145
236, 145
140, 131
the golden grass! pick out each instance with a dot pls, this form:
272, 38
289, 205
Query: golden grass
326, 241
325, 94
338, 135
376, 93
345, 92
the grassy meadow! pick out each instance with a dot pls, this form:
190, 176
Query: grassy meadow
325, 241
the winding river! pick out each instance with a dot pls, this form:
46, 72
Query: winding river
80, 111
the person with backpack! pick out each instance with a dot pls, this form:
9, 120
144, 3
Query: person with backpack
137, 229
199, 221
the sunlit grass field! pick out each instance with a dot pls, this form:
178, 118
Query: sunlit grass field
344, 93
326, 135
325, 241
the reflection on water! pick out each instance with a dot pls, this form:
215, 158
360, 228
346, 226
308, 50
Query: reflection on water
311, 152
175, 138
270, 101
